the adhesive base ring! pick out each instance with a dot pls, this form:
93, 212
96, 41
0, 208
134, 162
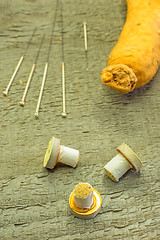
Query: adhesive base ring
86, 213
52, 153
133, 159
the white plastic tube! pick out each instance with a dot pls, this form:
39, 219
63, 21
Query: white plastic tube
58, 153
125, 159
84, 202
68, 156
117, 167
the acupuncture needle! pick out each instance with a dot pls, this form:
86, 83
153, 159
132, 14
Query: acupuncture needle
46, 64
85, 43
63, 66
31, 73
18, 65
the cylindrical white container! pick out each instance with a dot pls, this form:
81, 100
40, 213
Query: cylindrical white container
120, 164
68, 156
58, 153
117, 167
85, 202
83, 195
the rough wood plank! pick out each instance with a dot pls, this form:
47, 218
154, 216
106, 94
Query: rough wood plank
34, 201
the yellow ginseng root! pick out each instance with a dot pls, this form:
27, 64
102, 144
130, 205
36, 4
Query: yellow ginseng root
135, 59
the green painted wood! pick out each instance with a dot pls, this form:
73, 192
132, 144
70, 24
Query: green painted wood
33, 200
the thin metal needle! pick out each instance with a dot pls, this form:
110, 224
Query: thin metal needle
63, 67
31, 74
27, 85
41, 91
85, 36
47, 62
85, 42
63, 87
5, 92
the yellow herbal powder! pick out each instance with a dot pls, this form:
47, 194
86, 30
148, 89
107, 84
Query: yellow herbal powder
82, 190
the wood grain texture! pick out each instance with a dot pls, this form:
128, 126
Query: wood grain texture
33, 200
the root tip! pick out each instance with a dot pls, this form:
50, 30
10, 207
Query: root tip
119, 77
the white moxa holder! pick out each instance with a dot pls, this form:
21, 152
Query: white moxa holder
59, 153
125, 159
86, 202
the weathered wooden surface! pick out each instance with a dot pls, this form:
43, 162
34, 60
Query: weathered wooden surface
33, 200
